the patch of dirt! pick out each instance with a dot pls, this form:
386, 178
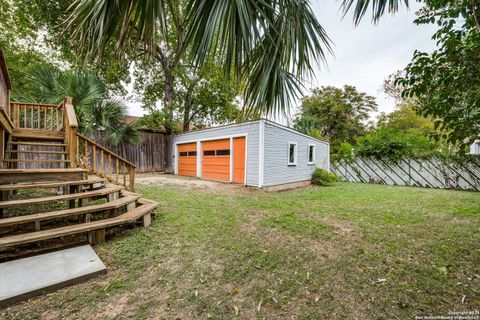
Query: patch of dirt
342, 228
192, 183
117, 307
321, 248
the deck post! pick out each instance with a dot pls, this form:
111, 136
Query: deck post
131, 173
147, 220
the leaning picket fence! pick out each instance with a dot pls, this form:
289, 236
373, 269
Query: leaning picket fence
430, 172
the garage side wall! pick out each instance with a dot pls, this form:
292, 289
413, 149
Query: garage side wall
250, 130
276, 168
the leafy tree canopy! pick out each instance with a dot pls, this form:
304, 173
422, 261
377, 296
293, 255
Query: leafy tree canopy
400, 134
446, 83
338, 114
200, 95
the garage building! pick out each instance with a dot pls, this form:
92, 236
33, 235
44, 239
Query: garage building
258, 153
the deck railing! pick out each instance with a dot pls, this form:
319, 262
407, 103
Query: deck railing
82, 151
104, 163
37, 116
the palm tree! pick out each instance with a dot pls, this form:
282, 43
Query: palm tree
99, 117
269, 46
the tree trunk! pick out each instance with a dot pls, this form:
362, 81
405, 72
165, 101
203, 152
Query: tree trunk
168, 102
186, 119
169, 88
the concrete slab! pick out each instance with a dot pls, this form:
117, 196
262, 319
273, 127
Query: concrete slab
24, 278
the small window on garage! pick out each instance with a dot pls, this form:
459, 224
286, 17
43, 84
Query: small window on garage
292, 153
209, 153
183, 154
311, 154
192, 153
225, 152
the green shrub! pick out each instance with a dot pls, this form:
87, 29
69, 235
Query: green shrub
322, 177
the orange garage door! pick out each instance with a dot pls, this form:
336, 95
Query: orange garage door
239, 160
216, 160
187, 159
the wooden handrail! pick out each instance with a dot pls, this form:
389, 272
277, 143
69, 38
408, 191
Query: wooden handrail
112, 167
35, 104
71, 117
99, 146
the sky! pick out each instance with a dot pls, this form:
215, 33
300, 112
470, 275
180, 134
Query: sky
363, 55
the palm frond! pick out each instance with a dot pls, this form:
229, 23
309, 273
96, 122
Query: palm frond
95, 22
268, 45
360, 8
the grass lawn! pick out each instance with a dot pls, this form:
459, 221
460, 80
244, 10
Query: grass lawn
348, 251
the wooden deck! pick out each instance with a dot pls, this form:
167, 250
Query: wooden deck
50, 175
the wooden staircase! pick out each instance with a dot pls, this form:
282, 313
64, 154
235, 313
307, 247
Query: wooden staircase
56, 183
87, 206
36, 149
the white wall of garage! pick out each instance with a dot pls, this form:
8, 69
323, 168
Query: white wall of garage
276, 168
267, 151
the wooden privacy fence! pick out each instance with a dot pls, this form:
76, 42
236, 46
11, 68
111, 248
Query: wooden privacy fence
151, 154
430, 173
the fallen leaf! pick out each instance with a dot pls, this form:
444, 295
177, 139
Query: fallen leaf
443, 270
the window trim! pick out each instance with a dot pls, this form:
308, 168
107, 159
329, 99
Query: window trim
313, 154
294, 163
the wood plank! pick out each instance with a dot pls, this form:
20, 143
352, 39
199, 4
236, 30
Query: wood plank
22, 176
68, 212
38, 134
18, 186
36, 160
28, 143
32, 171
36, 151
127, 217
79, 195
34, 104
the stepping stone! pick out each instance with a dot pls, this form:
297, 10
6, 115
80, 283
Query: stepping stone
28, 277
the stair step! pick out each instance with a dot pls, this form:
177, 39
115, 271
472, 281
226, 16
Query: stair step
69, 212
36, 160
35, 134
127, 217
36, 151
8, 176
18, 186
28, 143
73, 196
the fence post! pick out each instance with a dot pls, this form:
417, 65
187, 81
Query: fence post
409, 173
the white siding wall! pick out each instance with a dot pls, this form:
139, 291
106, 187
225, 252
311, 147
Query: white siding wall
276, 168
251, 129
475, 147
